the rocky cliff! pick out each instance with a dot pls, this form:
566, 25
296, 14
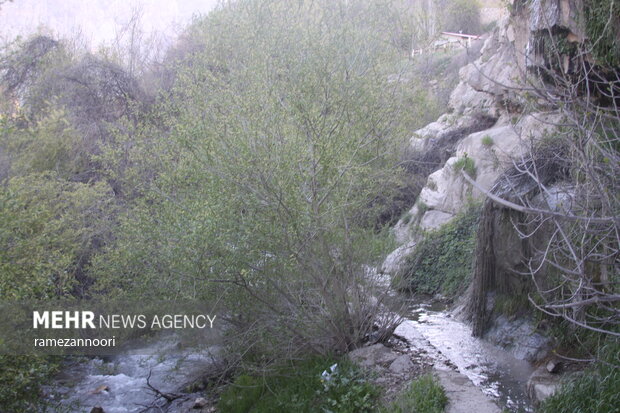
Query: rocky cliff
492, 125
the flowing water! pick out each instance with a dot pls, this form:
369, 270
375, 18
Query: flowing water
119, 383
450, 343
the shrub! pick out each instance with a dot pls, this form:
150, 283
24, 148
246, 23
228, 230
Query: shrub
466, 164
20, 380
424, 395
487, 140
603, 35
241, 395
306, 386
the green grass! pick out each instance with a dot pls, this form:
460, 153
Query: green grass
466, 164
424, 395
487, 140
592, 391
299, 387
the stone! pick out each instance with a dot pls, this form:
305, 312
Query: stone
463, 396
395, 261
376, 355
543, 14
542, 384
520, 337
446, 190
199, 403
97, 409
554, 366
434, 219
101, 389
401, 365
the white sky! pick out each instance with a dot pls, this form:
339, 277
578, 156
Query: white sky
98, 20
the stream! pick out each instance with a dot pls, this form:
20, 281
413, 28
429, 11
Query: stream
450, 344
119, 383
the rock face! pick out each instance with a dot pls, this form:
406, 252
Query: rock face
520, 337
490, 125
488, 128
401, 365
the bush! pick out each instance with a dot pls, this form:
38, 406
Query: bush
442, 261
20, 380
48, 227
424, 395
241, 395
307, 386
466, 164
603, 35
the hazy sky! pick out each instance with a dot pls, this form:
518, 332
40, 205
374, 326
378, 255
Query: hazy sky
97, 19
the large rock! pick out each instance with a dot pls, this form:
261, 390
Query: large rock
446, 192
401, 365
373, 356
463, 396
434, 219
542, 384
520, 337
395, 262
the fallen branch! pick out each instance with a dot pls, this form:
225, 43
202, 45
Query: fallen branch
168, 398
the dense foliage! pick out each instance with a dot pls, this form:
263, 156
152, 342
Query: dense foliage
442, 260
256, 165
317, 384
602, 24
279, 149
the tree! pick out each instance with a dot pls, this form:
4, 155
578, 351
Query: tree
462, 16
282, 135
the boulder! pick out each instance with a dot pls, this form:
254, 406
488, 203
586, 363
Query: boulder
434, 219
395, 261
542, 384
401, 365
199, 403
520, 337
445, 191
554, 366
376, 355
